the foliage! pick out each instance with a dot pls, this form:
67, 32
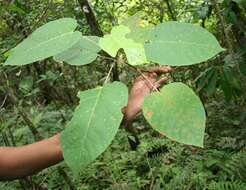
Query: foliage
183, 44
227, 185
94, 124
49, 40
135, 52
83, 52
181, 116
55, 32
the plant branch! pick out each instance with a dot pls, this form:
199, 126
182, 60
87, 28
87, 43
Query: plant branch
170, 10
223, 24
4, 100
109, 72
90, 17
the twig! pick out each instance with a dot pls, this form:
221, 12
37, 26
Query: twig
169, 7
105, 57
5, 98
223, 24
113, 20
152, 85
138, 69
184, 8
109, 72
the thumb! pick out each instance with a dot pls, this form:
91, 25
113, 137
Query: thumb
161, 82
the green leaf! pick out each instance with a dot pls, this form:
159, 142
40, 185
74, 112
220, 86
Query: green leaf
13, 7
82, 53
48, 40
226, 88
94, 124
138, 32
203, 12
177, 44
241, 4
232, 77
26, 84
117, 39
242, 68
133, 21
204, 77
212, 82
177, 113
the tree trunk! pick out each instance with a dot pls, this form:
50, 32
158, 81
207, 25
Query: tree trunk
90, 18
170, 10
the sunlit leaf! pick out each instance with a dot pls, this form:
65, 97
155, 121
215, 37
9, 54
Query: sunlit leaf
117, 39
83, 52
138, 31
48, 40
177, 113
177, 44
94, 124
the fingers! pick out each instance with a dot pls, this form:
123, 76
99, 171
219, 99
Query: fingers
149, 76
155, 71
160, 82
161, 70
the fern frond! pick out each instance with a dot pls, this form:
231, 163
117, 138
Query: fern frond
236, 167
227, 185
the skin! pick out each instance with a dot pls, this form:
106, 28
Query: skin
17, 162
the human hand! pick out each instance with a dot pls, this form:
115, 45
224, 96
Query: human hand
143, 86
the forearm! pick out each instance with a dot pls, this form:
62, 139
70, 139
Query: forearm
26, 160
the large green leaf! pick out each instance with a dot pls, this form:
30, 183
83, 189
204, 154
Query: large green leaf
48, 40
177, 113
94, 124
83, 52
177, 44
117, 39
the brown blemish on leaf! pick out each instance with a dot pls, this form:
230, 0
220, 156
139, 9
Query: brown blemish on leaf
198, 125
162, 134
149, 114
172, 138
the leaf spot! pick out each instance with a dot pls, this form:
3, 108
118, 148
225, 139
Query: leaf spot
149, 115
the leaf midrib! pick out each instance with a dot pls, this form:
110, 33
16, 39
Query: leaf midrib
90, 120
183, 42
44, 42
